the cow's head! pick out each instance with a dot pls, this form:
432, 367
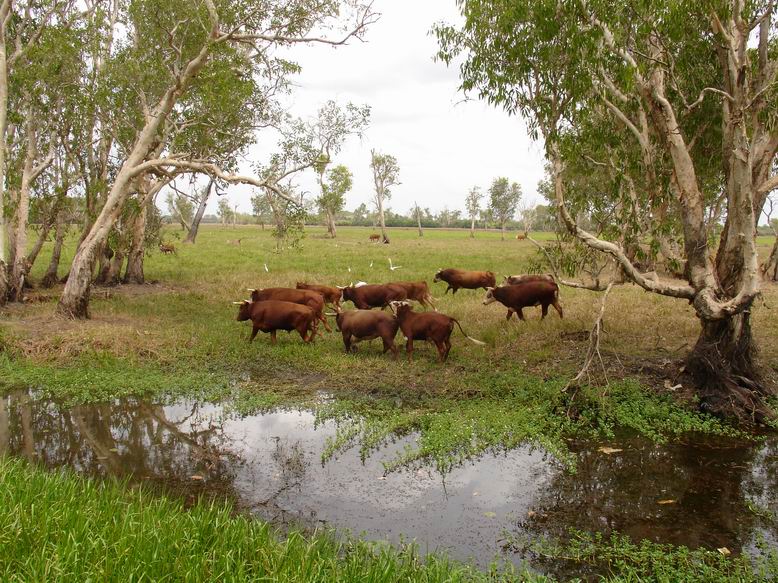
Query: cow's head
437, 275
254, 293
399, 309
489, 296
492, 280
244, 311
347, 293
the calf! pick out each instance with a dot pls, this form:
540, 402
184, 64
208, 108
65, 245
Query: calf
331, 294
531, 293
367, 325
519, 279
429, 326
375, 238
273, 315
369, 296
166, 248
312, 299
418, 291
459, 278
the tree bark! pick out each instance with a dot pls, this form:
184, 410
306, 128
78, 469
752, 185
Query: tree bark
42, 237
134, 273
5, 8
472, 227
381, 221
50, 278
114, 269
418, 221
330, 223
195, 227
19, 268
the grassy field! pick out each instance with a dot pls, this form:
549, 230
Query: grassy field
179, 335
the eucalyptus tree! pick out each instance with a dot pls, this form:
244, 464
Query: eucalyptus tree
386, 173
473, 205
770, 266
503, 201
200, 198
174, 50
333, 194
665, 110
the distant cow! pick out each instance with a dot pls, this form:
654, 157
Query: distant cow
521, 236
235, 242
418, 291
367, 325
459, 278
526, 295
375, 238
273, 315
167, 248
430, 326
519, 279
369, 296
312, 299
331, 294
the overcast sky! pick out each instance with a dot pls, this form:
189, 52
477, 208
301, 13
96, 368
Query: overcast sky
443, 145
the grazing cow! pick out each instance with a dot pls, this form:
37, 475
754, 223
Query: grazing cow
374, 238
418, 291
167, 248
525, 295
312, 299
430, 326
519, 279
367, 325
459, 278
369, 296
521, 236
331, 294
273, 315
235, 242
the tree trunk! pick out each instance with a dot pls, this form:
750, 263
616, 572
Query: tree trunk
19, 268
472, 227
195, 227
331, 224
381, 219
36, 249
50, 278
418, 221
770, 268
502, 231
134, 272
5, 8
723, 369
114, 269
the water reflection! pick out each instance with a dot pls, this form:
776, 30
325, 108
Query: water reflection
270, 464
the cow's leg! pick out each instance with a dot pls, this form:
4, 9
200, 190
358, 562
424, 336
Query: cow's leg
273, 339
448, 288
253, 334
347, 341
543, 311
520, 314
509, 314
390, 345
323, 319
448, 349
441, 346
409, 349
456, 289
558, 308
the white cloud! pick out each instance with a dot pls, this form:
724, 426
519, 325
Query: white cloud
444, 145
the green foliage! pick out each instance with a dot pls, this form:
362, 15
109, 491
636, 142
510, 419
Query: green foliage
334, 189
504, 200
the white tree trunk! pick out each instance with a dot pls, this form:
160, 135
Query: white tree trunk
5, 8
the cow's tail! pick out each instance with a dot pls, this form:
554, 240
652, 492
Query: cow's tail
473, 340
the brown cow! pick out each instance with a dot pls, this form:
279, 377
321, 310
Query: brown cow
374, 238
429, 326
459, 278
418, 291
529, 294
312, 299
331, 294
273, 315
521, 236
167, 248
519, 279
367, 325
369, 296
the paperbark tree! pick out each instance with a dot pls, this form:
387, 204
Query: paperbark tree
333, 195
201, 199
503, 201
473, 205
635, 64
199, 40
770, 266
386, 173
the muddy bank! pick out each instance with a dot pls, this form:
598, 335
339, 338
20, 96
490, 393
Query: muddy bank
701, 492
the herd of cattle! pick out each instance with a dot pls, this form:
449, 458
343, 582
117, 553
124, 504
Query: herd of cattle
302, 308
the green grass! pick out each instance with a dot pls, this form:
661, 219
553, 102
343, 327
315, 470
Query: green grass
59, 527
181, 338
